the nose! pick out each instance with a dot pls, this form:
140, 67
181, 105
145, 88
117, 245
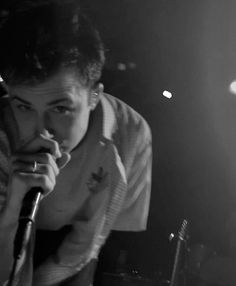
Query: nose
44, 127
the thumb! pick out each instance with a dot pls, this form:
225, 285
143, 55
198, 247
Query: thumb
62, 162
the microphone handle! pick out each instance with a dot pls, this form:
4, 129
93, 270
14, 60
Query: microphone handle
30, 204
26, 219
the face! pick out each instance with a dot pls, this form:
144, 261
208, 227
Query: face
59, 108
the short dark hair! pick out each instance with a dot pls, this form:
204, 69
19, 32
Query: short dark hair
38, 38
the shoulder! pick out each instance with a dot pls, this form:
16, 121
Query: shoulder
132, 134
129, 121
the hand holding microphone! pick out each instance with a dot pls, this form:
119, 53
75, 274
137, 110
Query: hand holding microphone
36, 164
34, 171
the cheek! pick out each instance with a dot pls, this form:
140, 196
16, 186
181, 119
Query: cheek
71, 130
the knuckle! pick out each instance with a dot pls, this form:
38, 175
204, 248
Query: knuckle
46, 183
47, 157
48, 170
55, 170
44, 158
53, 182
42, 180
50, 167
54, 144
55, 149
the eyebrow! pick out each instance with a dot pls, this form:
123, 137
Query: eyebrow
15, 97
53, 102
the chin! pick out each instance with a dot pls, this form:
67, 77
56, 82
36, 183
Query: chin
68, 147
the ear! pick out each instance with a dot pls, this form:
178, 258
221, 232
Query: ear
96, 95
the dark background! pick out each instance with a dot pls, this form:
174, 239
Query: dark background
189, 48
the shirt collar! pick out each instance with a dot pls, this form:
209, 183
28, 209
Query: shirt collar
109, 119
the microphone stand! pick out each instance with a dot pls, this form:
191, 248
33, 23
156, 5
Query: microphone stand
23, 234
176, 267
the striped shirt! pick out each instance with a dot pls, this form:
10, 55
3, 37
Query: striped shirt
108, 185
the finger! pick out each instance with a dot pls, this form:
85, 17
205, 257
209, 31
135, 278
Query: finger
35, 180
42, 144
26, 167
64, 160
40, 158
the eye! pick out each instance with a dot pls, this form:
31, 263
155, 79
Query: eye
24, 107
61, 109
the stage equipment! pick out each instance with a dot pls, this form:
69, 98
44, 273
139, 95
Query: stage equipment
178, 276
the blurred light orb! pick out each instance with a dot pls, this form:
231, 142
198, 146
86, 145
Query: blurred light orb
1, 79
167, 94
232, 87
132, 65
121, 66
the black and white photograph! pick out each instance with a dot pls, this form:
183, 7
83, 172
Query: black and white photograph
117, 143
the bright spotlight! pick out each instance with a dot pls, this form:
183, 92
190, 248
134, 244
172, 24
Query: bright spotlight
232, 87
167, 94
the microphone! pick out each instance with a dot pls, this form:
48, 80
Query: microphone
27, 216
30, 204
26, 219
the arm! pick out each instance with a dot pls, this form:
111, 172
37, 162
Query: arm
134, 213
7, 226
21, 179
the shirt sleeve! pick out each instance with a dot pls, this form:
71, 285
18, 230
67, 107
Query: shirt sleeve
8, 140
134, 213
